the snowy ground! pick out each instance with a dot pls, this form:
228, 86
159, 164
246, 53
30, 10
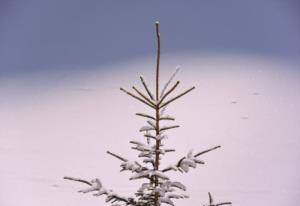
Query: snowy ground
52, 125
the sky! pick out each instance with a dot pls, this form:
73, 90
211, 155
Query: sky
73, 34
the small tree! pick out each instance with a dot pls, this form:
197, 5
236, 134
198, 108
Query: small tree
158, 187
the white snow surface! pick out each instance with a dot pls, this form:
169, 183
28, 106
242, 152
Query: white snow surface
56, 125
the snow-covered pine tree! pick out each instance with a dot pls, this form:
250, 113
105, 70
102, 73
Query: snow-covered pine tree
158, 188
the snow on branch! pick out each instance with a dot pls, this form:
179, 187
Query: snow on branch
157, 137
148, 135
152, 124
146, 128
167, 185
166, 191
97, 187
163, 116
167, 199
149, 174
188, 161
167, 117
142, 147
133, 166
161, 136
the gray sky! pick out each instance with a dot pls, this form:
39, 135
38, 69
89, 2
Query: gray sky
71, 34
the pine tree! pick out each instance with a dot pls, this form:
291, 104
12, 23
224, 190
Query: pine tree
158, 188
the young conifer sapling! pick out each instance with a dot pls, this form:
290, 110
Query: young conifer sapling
158, 188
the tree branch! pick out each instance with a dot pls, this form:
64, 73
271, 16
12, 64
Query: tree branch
142, 95
178, 96
117, 156
169, 81
196, 155
167, 118
205, 151
78, 180
168, 127
146, 87
134, 96
224, 203
150, 136
168, 92
157, 59
211, 201
145, 115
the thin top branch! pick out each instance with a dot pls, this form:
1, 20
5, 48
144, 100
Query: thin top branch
157, 58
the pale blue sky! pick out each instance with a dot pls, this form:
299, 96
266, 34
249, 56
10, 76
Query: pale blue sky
43, 35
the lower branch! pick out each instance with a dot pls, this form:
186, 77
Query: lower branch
78, 180
97, 187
